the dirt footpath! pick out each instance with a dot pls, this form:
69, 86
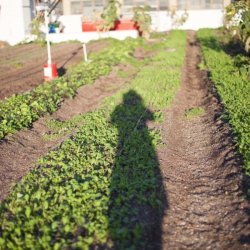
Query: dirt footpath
201, 171
21, 66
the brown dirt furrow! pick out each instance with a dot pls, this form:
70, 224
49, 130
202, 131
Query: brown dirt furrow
21, 69
19, 152
201, 171
7, 52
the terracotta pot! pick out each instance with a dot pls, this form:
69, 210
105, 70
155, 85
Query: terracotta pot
119, 25
125, 25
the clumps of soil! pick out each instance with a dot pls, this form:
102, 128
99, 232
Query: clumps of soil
141, 53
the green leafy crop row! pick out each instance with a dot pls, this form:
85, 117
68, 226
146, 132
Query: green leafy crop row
102, 188
233, 87
22, 110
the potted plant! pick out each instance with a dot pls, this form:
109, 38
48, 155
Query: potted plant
143, 20
104, 21
110, 15
109, 20
125, 25
93, 24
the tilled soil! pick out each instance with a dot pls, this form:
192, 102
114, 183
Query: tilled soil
201, 171
21, 67
19, 152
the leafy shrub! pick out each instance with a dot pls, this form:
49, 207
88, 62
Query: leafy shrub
110, 15
178, 21
143, 20
238, 19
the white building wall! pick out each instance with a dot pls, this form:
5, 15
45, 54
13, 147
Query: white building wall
198, 19
85, 37
15, 17
161, 21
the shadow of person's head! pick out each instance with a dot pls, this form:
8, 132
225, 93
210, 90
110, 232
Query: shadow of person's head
132, 111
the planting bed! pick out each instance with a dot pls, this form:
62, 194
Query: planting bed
21, 66
202, 171
231, 79
22, 110
127, 152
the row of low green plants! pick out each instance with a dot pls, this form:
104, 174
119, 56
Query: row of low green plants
102, 188
233, 86
22, 110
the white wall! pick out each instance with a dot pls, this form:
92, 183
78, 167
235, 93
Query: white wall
85, 37
204, 19
72, 23
161, 21
15, 16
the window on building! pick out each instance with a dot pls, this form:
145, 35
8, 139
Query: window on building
76, 7
199, 4
153, 4
99, 3
88, 3
163, 4
87, 7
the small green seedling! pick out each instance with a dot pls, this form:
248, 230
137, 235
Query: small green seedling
17, 65
194, 112
202, 65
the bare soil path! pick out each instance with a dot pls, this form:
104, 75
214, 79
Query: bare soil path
201, 171
20, 152
21, 66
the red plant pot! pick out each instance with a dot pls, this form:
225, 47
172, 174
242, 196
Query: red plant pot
125, 25
89, 26
119, 25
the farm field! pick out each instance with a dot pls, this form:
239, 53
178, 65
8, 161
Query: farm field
21, 66
144, 147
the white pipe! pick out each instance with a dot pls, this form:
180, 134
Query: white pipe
47, 36
85, 52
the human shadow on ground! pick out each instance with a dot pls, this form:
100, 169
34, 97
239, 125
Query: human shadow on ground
137, 200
